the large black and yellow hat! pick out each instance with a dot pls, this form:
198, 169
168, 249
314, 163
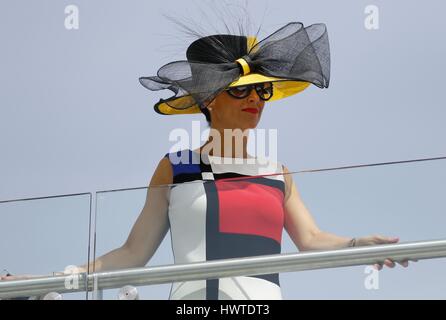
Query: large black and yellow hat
291, 58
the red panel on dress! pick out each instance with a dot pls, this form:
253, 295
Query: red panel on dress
250, 208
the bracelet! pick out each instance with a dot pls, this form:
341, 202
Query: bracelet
352, 242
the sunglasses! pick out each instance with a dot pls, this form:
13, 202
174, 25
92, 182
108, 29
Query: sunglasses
264, 91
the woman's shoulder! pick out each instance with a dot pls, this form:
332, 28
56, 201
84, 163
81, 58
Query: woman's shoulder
183, 156
163, 173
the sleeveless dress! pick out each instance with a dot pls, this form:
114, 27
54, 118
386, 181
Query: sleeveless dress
217, 213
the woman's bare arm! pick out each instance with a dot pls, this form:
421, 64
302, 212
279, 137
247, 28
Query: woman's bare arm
306, 235
304, 231
300, 224
146, 235
149, 229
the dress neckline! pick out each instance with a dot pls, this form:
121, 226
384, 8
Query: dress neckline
219, 157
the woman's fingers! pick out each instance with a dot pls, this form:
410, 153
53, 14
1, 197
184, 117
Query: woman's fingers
18, 277
405, 263
378, 266
6, 278
384, 240
376, 240
389, 263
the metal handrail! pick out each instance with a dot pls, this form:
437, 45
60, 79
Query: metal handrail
227, 268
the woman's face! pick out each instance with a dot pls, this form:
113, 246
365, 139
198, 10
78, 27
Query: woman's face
228, 112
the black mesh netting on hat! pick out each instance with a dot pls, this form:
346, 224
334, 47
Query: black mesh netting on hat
293, 52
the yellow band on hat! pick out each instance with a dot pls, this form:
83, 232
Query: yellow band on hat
245, 66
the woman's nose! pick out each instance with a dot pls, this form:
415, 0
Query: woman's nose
253, 96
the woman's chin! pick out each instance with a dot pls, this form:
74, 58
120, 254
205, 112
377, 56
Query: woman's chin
253, 124
250, 126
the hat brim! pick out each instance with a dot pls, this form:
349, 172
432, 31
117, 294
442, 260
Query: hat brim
282, 88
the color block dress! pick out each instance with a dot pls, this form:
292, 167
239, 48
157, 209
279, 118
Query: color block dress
220, 210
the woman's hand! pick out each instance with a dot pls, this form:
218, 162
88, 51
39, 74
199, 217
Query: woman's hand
9, 277
377, 239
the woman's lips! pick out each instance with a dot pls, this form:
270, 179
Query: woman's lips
251, 110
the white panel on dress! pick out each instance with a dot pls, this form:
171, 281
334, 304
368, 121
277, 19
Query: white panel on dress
187, 216
248, 288
190, 290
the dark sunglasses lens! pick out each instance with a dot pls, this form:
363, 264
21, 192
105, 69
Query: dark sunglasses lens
265, 91
239, 92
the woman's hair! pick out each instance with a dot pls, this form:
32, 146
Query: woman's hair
207, 114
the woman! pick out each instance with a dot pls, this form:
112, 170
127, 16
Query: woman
217, 207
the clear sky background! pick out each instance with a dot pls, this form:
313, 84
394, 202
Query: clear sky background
74, 119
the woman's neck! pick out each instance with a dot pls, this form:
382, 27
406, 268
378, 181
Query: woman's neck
231, 143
